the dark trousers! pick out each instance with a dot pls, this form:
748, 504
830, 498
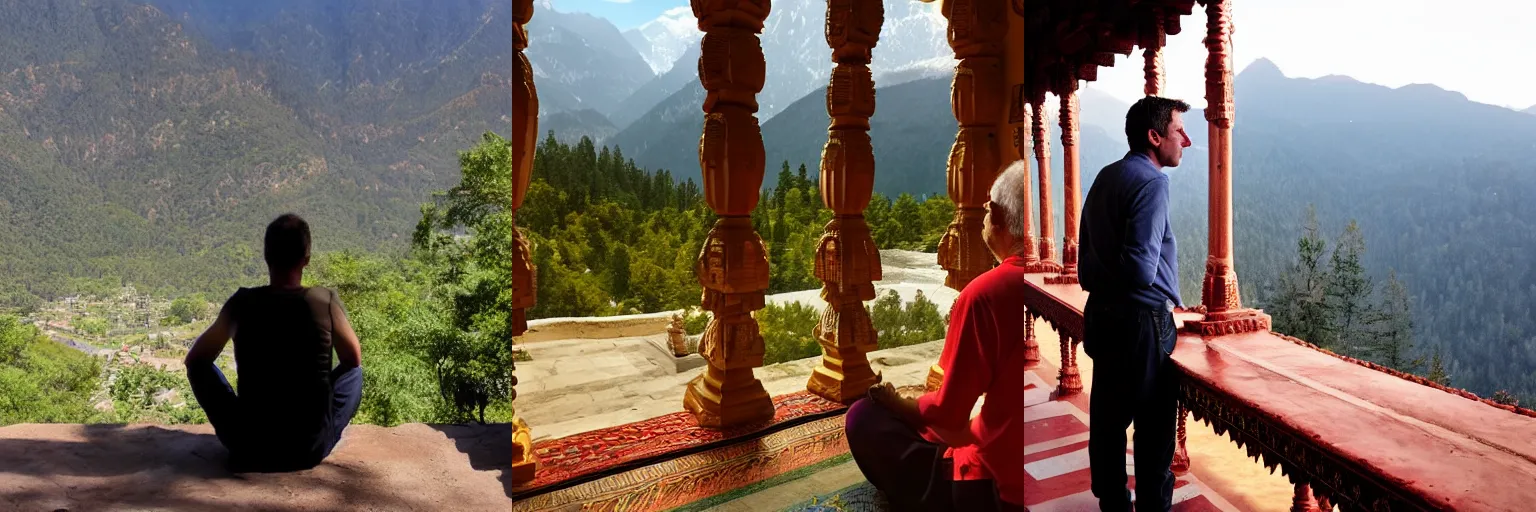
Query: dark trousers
911, 471
1133, 381
222, 406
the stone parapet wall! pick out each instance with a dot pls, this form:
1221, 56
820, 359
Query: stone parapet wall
597, 327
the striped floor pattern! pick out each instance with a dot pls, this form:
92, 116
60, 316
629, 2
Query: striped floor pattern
1056, 475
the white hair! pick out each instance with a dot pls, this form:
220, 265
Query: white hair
1008, 198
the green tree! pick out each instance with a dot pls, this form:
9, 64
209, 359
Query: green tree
785, 181
42, 381
1299, 307
186, 309
1348, 291
1437, 370
470, 349
94, 326
1391, 342
898, 324
906, 222
788, 331
618, 268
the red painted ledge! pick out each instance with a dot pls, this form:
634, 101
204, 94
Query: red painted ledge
1343, 422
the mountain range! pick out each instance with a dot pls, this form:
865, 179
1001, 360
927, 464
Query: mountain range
151, 142
660, 58
663, 40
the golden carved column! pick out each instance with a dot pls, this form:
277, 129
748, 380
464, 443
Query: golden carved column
1042, 137
732, 266
1224, 313
977, 29
847, 260
525, 127
1072, 202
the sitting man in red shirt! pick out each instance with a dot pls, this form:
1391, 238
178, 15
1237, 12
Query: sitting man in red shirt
928, 454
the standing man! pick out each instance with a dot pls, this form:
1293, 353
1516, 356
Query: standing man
1128, 264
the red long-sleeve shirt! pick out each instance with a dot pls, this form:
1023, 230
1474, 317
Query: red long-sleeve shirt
984, 353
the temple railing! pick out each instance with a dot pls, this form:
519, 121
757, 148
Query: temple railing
1359, 436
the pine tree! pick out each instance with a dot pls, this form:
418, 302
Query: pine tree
907, 220
618, 272
1299, 308
786, 180
1437, 371
1348, 291
1392, 338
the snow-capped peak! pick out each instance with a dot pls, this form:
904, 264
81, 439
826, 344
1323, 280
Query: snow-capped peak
662, 40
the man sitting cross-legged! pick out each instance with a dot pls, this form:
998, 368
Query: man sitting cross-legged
292, 405
901, 444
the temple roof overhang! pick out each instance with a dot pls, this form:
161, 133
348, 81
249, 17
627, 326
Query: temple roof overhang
1069, 40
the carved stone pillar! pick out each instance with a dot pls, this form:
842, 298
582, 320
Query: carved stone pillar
1225, 313
525, 127
1180, 463
977, 29
1302, 500
1070, 195
732, 266
677, 338
1069, 381
1042, 138
847, 260
1031, 345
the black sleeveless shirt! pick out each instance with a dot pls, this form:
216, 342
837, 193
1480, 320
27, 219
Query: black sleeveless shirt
283, 363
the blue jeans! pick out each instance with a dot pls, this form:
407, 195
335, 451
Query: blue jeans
1133, 382
222, 406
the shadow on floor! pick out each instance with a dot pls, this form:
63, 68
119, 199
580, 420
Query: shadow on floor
110, 467
489, 448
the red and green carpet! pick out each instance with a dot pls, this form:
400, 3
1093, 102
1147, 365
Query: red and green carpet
669, 461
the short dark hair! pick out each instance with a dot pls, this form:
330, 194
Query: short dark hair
287, 242
1150, 113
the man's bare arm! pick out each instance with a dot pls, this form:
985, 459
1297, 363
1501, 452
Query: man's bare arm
349, 351
208, 345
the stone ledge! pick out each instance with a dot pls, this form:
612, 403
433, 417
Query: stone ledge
597, 327
182, 467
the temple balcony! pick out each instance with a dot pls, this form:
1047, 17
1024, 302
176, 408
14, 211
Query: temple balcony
1359, 435
628, 415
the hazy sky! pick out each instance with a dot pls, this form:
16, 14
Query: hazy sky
1485, 49
626, 14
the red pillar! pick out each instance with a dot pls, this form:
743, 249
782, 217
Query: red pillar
1224, 313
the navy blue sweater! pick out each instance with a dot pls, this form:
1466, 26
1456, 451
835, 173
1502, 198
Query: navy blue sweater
1126, 248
